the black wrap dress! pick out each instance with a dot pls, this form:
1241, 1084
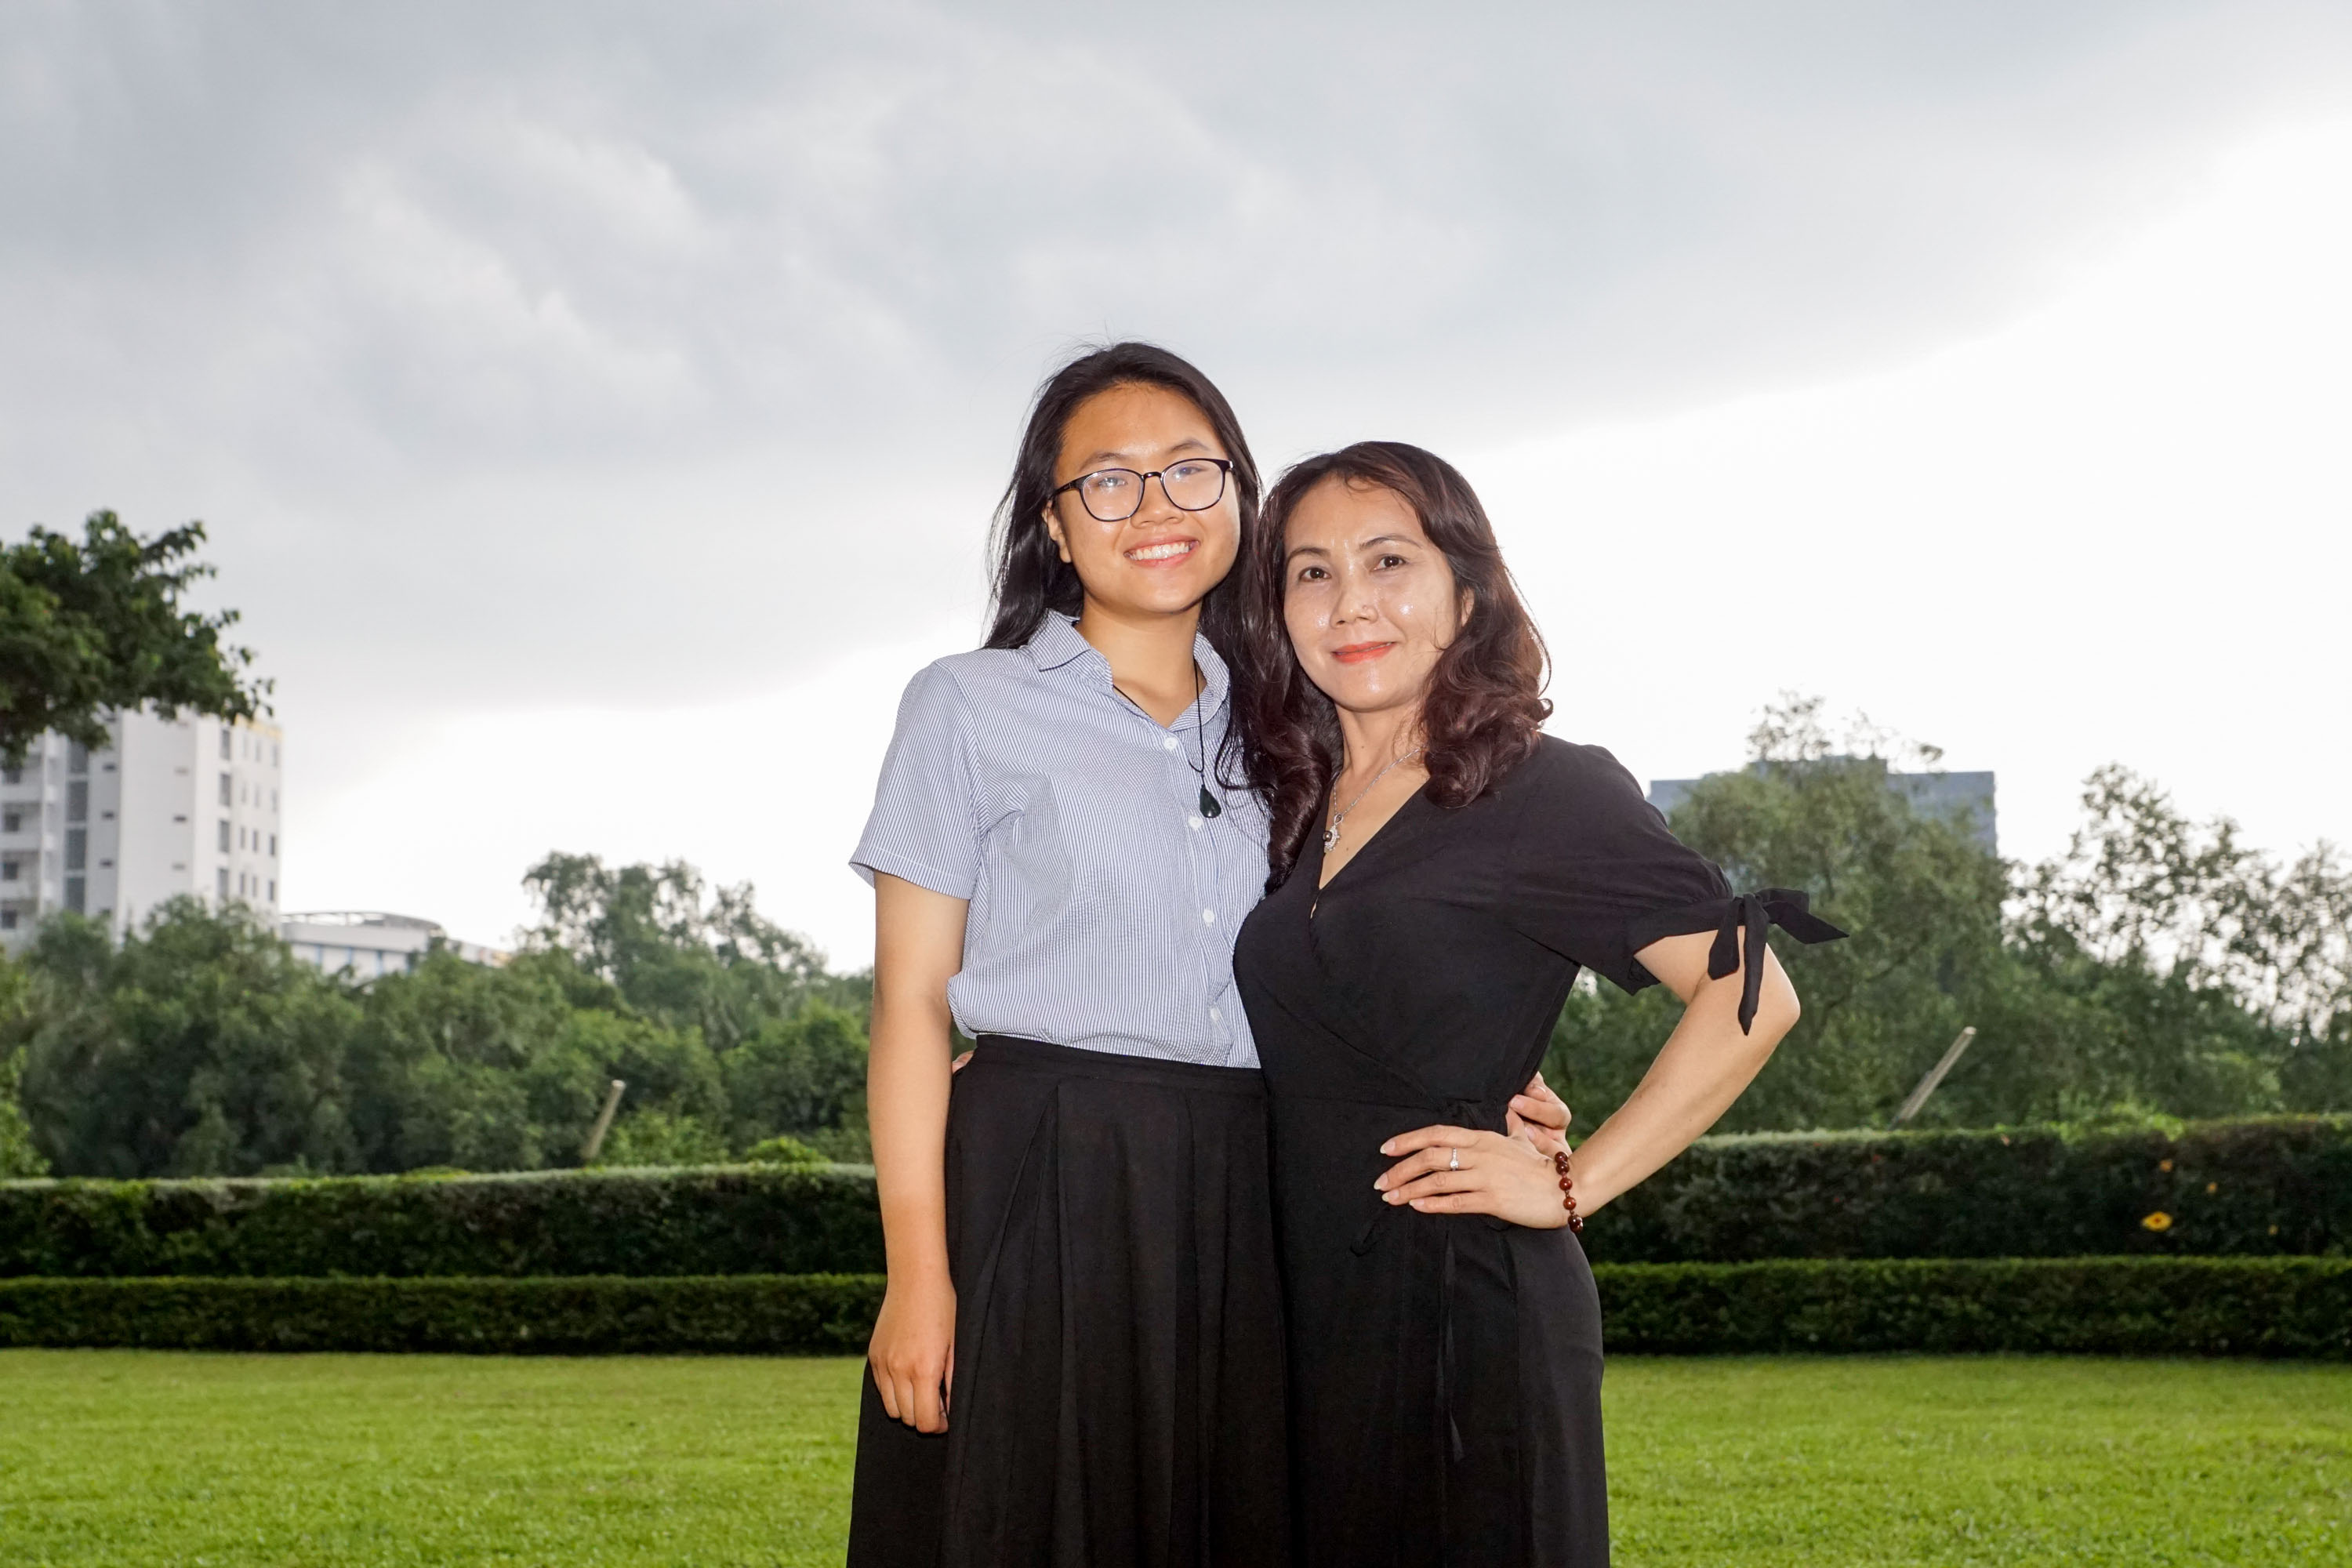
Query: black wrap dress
1445, 1369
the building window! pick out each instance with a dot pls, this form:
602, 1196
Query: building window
12, 775
77, 801
223, 835
10, 822
224, 743
74, 894
77, 758
226, 799
273, 847
77, 848
221, 881
7, 919
7, 870
273, 753
273, 891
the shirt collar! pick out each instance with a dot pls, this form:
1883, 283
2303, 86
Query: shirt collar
1058, 645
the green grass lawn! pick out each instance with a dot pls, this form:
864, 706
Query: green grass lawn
131, 1459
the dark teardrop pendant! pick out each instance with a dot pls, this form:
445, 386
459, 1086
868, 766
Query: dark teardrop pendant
1209, 806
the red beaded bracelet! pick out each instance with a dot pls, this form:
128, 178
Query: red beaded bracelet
1568, 1192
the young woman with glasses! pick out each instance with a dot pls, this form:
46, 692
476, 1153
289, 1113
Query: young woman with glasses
1442, 870
1079, 1354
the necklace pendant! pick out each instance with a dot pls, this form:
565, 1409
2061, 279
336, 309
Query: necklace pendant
1330, 838
1209, 806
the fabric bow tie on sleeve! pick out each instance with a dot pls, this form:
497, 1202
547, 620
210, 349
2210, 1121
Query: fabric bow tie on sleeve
1783, 907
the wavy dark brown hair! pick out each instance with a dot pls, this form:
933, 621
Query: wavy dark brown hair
1485, 708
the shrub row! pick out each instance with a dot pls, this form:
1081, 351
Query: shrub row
2269, 1187
2109, 1306
2130, 1306
737, 1314
722, 1220
2277, 1187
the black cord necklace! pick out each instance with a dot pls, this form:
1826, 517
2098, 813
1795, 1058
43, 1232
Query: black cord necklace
1209, 806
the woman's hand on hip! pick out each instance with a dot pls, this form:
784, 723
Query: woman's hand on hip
1540, 1116
913, 1352
1458, 1170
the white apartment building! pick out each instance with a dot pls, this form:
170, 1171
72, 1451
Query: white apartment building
170, 806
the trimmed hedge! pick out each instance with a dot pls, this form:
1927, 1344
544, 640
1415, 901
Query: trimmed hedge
2277, 1186
746, 1219
2128, 1306
734, 1314
2111, 1306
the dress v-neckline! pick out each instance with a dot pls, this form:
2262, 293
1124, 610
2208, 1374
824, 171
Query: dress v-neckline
1322, 884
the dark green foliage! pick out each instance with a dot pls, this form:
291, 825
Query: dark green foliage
706, 960
763, 1219
2280, 1185
91, 627
2299, 1307
782, 1151
19, 1157
828, 1314
200, 1047
455, 1063
2157, 967
804, 1073
2178, 1306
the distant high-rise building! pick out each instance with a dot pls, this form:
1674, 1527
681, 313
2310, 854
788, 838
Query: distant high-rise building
1949, 794
188, 805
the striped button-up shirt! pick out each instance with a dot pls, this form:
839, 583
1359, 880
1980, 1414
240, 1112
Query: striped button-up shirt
1104, 904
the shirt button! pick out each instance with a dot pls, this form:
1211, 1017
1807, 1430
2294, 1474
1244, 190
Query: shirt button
1193, 823
1215, 1016
1208, 917
1167, 742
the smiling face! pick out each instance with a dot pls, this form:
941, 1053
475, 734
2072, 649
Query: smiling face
1369, 601
1163, 560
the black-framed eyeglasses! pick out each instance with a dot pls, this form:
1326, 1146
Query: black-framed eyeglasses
1114, 495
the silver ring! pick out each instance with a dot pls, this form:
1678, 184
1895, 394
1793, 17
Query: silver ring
1455, 1163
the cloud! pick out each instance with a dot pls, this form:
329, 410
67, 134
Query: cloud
594, 355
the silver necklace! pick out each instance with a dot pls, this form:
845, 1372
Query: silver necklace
1332, 833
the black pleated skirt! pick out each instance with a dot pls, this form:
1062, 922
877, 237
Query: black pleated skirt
1118, 1397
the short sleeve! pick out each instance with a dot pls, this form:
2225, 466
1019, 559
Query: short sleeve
1599, 875
925, 824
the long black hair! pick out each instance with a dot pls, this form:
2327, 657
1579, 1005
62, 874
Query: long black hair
1031, 578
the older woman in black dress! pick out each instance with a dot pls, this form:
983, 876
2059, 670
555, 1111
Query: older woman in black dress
1441, 872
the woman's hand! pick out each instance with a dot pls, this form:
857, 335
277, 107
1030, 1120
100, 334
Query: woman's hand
1540, 1116
913, 1352
1498, 1174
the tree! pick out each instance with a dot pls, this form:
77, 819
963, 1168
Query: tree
19, 1157
201, 1047
464, 1065
2178, 968
2158, 967
1921, 896
801, 1074
91, 628
694, 957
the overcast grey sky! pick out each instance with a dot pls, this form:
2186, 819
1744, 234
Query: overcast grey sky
597, 407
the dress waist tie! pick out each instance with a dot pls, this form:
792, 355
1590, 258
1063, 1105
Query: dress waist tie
1467, 1113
